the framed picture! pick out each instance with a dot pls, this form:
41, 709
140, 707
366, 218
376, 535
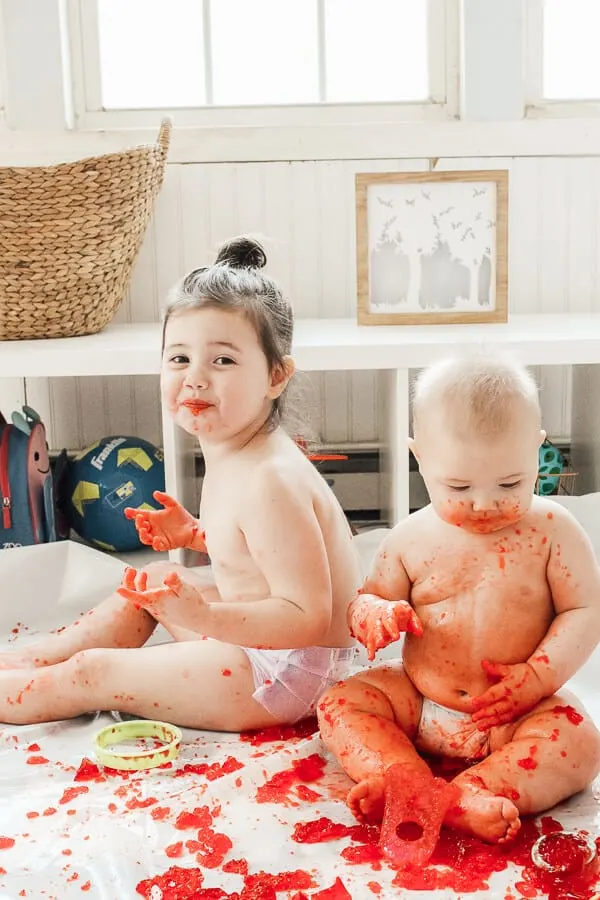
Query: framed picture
432, 247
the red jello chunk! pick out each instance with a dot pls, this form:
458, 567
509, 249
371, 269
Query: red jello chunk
563, 852
415, 806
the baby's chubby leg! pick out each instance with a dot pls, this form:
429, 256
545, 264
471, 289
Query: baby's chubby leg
553, 752
113, 623
369, 723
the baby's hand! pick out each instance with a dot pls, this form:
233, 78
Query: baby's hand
164, 529
518, 691
174, 601
376, 622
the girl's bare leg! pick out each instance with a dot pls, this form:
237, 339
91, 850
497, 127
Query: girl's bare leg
197, 684
113, 623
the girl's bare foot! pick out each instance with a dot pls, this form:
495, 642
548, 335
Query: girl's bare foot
487, 816
367, 799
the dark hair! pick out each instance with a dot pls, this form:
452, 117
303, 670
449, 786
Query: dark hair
235, 282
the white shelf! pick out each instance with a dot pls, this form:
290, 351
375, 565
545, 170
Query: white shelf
118, 350
319, 345
340, 344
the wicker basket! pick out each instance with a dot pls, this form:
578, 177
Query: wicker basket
69, 235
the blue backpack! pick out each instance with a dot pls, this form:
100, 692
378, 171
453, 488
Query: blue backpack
26, 482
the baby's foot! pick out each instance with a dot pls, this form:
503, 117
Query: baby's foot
488, 816
367, 799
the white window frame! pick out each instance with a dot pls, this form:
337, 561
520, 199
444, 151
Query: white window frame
536, 105
2, 71
89, 114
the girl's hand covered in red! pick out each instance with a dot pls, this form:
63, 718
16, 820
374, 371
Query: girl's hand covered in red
166, 529
376, 622
174, 599
518, 689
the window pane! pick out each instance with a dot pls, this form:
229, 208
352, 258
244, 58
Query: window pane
571, 58
151, 53
376, 50
264, 51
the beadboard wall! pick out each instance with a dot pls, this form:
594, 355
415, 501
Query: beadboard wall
305, 213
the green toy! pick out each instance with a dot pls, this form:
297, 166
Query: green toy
550, 467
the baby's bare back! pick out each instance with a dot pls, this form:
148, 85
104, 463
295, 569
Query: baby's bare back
478, 597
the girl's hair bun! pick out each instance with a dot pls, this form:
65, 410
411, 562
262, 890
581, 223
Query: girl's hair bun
242, 252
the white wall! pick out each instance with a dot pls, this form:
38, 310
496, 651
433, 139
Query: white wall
305, 209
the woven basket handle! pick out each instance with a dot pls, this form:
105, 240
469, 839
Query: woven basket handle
164, 136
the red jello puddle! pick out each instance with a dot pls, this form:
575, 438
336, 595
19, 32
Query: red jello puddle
304, 729
470, 863
564, 852
459, 863
462, 863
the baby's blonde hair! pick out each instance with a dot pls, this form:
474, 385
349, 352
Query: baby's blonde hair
480, 394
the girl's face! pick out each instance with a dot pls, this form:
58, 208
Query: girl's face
215, 380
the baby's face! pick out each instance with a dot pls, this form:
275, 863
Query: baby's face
481, 485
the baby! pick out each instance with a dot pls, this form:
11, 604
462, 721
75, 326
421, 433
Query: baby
498, 593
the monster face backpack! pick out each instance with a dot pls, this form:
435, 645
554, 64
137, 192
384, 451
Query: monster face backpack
26, 483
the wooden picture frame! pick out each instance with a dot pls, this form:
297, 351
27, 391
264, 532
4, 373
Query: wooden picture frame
432, 247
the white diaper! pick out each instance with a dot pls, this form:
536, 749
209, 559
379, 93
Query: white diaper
289, 683
449, 732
